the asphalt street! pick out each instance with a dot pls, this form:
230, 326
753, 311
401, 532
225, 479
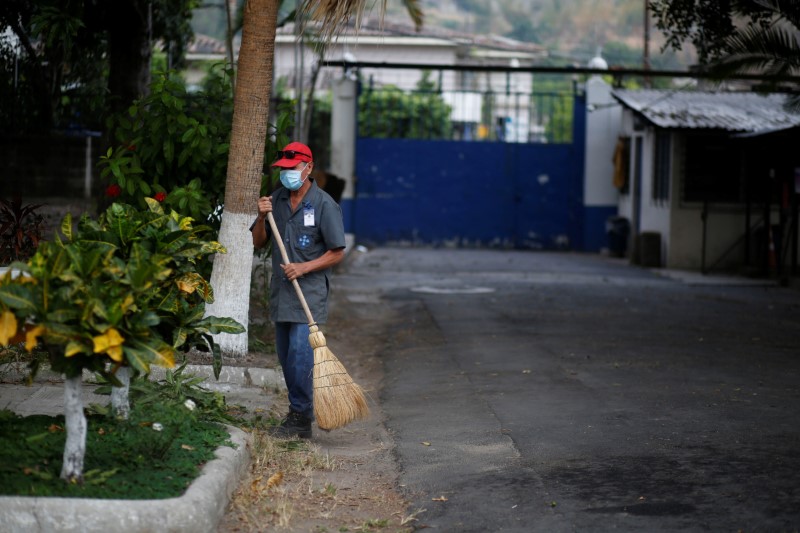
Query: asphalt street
533, 391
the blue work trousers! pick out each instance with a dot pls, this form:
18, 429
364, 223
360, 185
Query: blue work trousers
297, 360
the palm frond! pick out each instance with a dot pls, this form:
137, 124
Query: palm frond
415, 12
792, 103
333, 15
773, 51
786, 9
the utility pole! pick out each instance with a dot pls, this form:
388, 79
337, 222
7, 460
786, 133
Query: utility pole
298, 75
230, 12
646, 58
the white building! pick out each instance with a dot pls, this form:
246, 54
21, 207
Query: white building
296, 60
711, 178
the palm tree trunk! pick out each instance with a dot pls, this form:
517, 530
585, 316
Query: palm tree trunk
230, 277
75, 422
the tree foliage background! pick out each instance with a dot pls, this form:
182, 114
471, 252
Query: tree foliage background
68, 63
739, 36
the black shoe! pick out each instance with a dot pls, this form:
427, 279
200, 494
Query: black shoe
294, 426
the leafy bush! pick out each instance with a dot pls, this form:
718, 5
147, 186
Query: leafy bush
392, 113
123, 288
178, 388
20, 230
173, 146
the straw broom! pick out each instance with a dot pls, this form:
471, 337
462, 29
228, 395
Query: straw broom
338, 400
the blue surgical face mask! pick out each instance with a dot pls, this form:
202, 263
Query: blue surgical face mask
293, 179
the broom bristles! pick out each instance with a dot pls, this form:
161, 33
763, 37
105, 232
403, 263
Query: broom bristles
338, 400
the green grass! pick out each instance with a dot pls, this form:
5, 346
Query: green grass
124, 459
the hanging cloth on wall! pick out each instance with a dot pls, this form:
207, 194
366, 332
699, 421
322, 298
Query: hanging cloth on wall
620, 160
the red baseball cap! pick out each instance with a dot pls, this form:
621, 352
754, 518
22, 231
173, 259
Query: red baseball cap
292, 154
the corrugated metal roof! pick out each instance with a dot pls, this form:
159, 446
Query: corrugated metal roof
739, 112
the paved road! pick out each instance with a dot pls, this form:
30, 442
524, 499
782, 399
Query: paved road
564, 392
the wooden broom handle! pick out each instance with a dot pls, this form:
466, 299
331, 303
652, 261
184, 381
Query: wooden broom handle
277, 238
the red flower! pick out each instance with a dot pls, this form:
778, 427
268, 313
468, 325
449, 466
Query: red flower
114, 190
132, 147
160, 196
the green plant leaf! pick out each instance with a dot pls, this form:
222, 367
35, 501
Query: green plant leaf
183, 156
215, 324
66, 226
137, 358
179, 336
19, 297
75, 347
63, 315
154, 206
216, 360
98, 477
170, 302
37, 437
148, 319
192, 314
60, 334
155, 352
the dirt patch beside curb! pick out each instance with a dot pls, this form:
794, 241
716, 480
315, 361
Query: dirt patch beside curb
343, 480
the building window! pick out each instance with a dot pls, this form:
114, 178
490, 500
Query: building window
662, 167
712, 170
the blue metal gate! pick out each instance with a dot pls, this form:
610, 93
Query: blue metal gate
466, 193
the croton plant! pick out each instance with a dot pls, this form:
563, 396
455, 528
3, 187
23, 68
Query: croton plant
119, 292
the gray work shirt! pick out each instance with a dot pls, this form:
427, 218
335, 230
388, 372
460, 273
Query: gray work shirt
315, 227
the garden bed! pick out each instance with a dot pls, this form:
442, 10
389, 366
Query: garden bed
126, 459
199, 509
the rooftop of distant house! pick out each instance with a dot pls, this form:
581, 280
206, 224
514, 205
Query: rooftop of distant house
374, 31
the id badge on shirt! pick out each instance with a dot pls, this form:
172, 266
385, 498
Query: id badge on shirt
308, 216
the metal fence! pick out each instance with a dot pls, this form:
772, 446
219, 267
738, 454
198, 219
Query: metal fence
465, 115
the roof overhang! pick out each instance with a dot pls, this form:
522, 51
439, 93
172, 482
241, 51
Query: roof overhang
743, 112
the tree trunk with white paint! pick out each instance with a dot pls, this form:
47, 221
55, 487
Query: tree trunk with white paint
75, 447
230, 277
120, 404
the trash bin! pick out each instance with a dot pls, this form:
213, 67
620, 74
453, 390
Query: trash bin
618, 230
650, 249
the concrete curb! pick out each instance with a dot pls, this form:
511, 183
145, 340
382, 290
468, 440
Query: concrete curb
200, 509
228, 377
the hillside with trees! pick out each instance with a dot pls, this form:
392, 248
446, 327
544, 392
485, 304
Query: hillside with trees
572, 30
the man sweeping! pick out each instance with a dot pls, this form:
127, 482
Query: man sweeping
310, 223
